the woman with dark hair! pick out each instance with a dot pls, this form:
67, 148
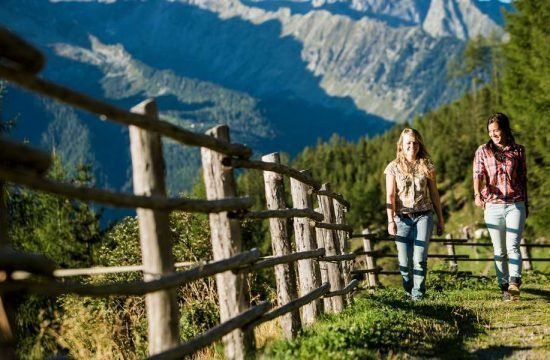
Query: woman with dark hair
500, 187
411, 197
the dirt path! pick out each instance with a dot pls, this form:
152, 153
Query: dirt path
513, 330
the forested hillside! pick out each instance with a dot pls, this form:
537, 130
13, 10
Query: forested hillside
68, 232
520, 86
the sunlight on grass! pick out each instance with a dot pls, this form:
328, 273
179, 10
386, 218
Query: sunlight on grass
461, 318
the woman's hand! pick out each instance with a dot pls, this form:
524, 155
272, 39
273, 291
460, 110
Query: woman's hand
392, 228
479, 201
440, 227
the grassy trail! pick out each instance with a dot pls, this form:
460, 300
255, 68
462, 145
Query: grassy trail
460, 319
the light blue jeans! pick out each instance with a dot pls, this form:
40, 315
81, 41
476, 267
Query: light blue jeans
505, 223
412, 241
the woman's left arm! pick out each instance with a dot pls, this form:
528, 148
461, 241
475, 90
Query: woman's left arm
434, 194
523, 164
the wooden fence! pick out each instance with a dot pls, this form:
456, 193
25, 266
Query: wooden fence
321, 282
370, 255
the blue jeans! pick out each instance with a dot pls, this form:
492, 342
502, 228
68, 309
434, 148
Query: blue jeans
505, 223
412, 240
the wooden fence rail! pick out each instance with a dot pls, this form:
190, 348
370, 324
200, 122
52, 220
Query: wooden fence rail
297, 288
371, 255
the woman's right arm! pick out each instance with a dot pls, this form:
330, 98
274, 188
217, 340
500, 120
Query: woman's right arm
477, 193
479, 174
390, 203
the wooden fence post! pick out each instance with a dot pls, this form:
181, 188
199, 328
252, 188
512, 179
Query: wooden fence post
370, 260
331, 248
154, 232
7, 313
526, 259
323, 266
343, 238
281, 245
453, 265
226, 242
309, 275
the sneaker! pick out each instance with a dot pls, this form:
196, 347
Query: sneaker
506, 296
513, 289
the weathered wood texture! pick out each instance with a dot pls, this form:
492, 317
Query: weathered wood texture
110, 112
304, 233
214, 333
18, 53
35, 182
453, 265
285, 276
226, 242
302, 176
154, 233
369, 259
331, 248
137, 288
342, 237
526, 258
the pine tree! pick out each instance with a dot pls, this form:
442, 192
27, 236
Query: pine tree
526, 93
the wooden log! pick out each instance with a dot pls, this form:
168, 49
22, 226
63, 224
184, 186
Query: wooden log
323, 268
284, 213
345, 290
154, 233
20, 156
338, 227
285, 276
370, 259
342, 237
309, 276
434, 256
12, 260
110, 112
136, 288
269, 261
302, 176
337, 258
215, 333
18, 53
294, 304
35, 182
226, 242
453, 265
331, 248
526, 258
335, 196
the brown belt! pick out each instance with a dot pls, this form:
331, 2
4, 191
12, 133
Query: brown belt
416, 214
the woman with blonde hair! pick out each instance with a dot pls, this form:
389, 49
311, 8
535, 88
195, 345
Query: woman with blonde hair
411, 197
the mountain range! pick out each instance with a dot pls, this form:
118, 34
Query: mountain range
281, 73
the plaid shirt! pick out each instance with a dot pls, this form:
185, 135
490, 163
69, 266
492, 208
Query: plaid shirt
504, 175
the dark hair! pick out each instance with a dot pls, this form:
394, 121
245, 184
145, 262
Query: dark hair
504, 125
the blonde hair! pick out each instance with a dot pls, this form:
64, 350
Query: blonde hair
423, 165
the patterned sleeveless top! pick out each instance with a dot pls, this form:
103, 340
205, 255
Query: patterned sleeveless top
413, 193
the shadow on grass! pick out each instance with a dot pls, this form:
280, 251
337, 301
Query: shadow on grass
542, 293
498, 352
449, 344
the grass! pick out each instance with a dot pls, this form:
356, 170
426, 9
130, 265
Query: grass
460, 319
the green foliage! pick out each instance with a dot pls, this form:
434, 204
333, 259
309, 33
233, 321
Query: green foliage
63, 230
459, 317
527, 98
67, 232
379, 325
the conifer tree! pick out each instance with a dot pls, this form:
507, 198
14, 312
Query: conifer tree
526, 93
